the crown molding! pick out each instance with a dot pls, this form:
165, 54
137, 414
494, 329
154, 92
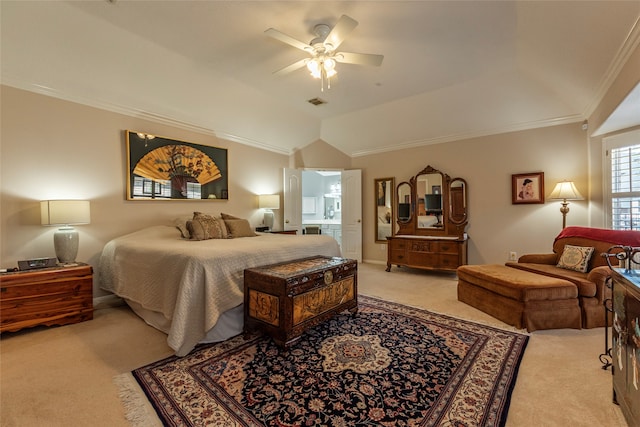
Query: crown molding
469, 135
137, 113
620, 59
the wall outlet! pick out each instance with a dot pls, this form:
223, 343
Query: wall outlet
513, 256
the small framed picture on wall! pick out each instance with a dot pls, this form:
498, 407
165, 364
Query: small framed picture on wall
527, 188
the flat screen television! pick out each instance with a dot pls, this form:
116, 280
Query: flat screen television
433, 203
403, 210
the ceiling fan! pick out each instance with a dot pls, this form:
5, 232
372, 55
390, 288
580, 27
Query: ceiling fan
323, 50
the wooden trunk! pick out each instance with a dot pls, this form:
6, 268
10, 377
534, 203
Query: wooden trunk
50, 296
283, 300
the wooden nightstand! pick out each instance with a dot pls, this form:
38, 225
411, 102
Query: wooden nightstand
48, 296
266, 230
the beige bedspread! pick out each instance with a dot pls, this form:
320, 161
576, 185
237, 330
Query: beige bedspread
193, 282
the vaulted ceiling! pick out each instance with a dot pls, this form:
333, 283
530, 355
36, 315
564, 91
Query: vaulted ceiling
451, 69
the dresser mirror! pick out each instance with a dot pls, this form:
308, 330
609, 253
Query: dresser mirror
432, 204
458, 201
404, 203
384, 208
429, 195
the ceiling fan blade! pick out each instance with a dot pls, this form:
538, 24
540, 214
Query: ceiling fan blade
359, 58
343, 27
291, 67
272, 32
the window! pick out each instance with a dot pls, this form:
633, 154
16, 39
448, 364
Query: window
623, 180
194, 190
145, 187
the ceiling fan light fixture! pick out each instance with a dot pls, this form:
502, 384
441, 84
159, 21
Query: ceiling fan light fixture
323, 48
313, 65
329, 65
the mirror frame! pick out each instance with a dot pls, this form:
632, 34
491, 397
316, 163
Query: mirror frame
448, 228
389, 190
421, 211
411, 204
465, 203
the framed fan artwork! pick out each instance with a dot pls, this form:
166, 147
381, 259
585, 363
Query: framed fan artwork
160, 168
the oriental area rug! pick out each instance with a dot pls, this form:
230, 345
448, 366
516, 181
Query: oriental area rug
388, 365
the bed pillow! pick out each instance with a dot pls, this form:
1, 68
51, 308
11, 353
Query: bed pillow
204, 227
239, 228
575, 258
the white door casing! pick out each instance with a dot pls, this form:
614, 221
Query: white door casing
351, 200
293, 200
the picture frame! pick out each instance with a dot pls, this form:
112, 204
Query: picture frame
160, 168
527, 188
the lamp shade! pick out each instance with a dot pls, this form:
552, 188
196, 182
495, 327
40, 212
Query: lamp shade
565, 190
269, 201
64, 212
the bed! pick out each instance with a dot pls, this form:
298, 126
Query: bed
427, 221
193, 289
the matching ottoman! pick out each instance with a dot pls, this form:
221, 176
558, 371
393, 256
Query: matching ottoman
520, 298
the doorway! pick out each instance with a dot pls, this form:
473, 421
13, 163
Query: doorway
329, 199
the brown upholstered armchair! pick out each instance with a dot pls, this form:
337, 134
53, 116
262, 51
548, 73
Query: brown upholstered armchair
592, 290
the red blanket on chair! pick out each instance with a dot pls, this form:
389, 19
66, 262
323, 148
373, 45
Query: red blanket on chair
617, 237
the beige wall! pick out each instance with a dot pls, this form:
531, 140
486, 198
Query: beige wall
53, 149
496, 226
319, 155
56, 149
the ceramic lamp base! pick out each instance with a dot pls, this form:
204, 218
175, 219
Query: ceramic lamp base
268, 219
65, 241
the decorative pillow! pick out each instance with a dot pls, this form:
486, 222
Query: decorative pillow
239, 228
181, 224
223, 228
227, 216
575, 258
204, 227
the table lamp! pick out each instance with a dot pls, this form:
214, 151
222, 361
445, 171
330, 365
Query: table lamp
268, 202
65, 213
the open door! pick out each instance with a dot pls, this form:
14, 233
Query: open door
352, 214
293, 200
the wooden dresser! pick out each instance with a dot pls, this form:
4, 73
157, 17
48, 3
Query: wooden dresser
625, 351
427, 252
283, 300
431, 218
48, 296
